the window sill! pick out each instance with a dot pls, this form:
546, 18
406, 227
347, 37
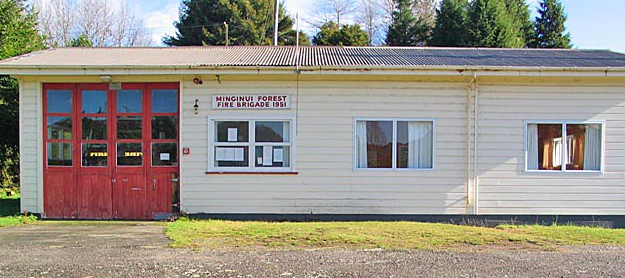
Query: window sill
252, 173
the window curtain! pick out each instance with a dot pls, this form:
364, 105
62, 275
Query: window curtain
420, 145
592, 148
532, 147
361, 144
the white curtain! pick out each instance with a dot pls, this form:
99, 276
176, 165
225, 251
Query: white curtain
532, 147
420, 145
361, 144
592, 148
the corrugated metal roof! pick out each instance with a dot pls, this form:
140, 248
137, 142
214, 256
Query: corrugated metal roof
314, 56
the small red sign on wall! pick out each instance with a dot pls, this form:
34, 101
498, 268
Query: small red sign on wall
185, 151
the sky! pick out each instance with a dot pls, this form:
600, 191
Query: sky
597, 24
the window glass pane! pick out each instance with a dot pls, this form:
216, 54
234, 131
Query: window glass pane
583, 147
94, 102
129, 154
164, 154
59, 101
548, 146
164, 101
59, 154
94, 155
59, 128
94, 128
272, 131
231, 156
232, 131
375, 143
164, 127
414, 145
129, 127
272, 156
129, 101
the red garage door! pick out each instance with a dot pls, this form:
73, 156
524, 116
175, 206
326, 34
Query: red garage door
111, 153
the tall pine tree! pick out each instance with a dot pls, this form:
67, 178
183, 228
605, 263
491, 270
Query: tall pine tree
247, 22
550, 30
491, 26
522, 25
405, 28
450, 28
18, 35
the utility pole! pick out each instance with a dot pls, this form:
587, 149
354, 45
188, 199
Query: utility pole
275, 23
227, 41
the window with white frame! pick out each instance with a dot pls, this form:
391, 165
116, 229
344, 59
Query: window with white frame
394, 144
578, 144
251, 145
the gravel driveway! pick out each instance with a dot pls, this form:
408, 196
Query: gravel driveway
137, 249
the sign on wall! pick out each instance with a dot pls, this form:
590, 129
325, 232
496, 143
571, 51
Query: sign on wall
272, 101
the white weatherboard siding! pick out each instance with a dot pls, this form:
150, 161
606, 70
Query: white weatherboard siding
30, 109
505, 188
326, 181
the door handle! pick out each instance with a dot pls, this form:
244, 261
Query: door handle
154, 184
114, 181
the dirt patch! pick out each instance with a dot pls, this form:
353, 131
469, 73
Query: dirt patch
139, 249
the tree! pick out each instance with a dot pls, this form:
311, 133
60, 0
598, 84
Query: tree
405, 28
522, 25
490, 25
347, 35
337, 11
81, 41
99, 21
204, 22
549, 26
18, 35
450, 28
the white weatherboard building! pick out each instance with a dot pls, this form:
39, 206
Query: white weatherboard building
141, 133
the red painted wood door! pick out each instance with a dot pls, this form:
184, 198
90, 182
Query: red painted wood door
110, 154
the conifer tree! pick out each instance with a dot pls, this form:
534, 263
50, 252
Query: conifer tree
491, 26
347, 35
405, 29
549, 26
450, 28
522, 25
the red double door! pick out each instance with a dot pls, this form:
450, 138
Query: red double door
111, 150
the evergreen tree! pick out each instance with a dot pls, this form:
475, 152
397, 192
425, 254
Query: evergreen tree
549, 26
450, 28
347, 35
81, 41
491, 26
405, 28
249, 22
521, 22
18, 35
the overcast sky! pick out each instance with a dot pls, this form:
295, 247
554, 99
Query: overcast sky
593, 24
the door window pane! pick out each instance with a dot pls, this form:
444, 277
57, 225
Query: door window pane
59, 128
272, 156
94, 155
414, 145
583, 147
164, 101
374, 144
94, 102
231, 156
129, 154
129, 101
164, 154
59, 101
59, 154
94, 128
129, 127
272, 131
164, 127
232, 131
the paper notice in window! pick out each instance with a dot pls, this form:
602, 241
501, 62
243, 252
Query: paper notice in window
238, 154
278, 155
164, 156
229, 154
267, 155
232, 134
220, 154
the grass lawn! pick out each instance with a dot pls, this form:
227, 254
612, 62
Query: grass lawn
255, 235
9, 210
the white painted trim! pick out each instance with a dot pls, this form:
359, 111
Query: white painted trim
564, 153
251, 145
41, 157
394, 168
